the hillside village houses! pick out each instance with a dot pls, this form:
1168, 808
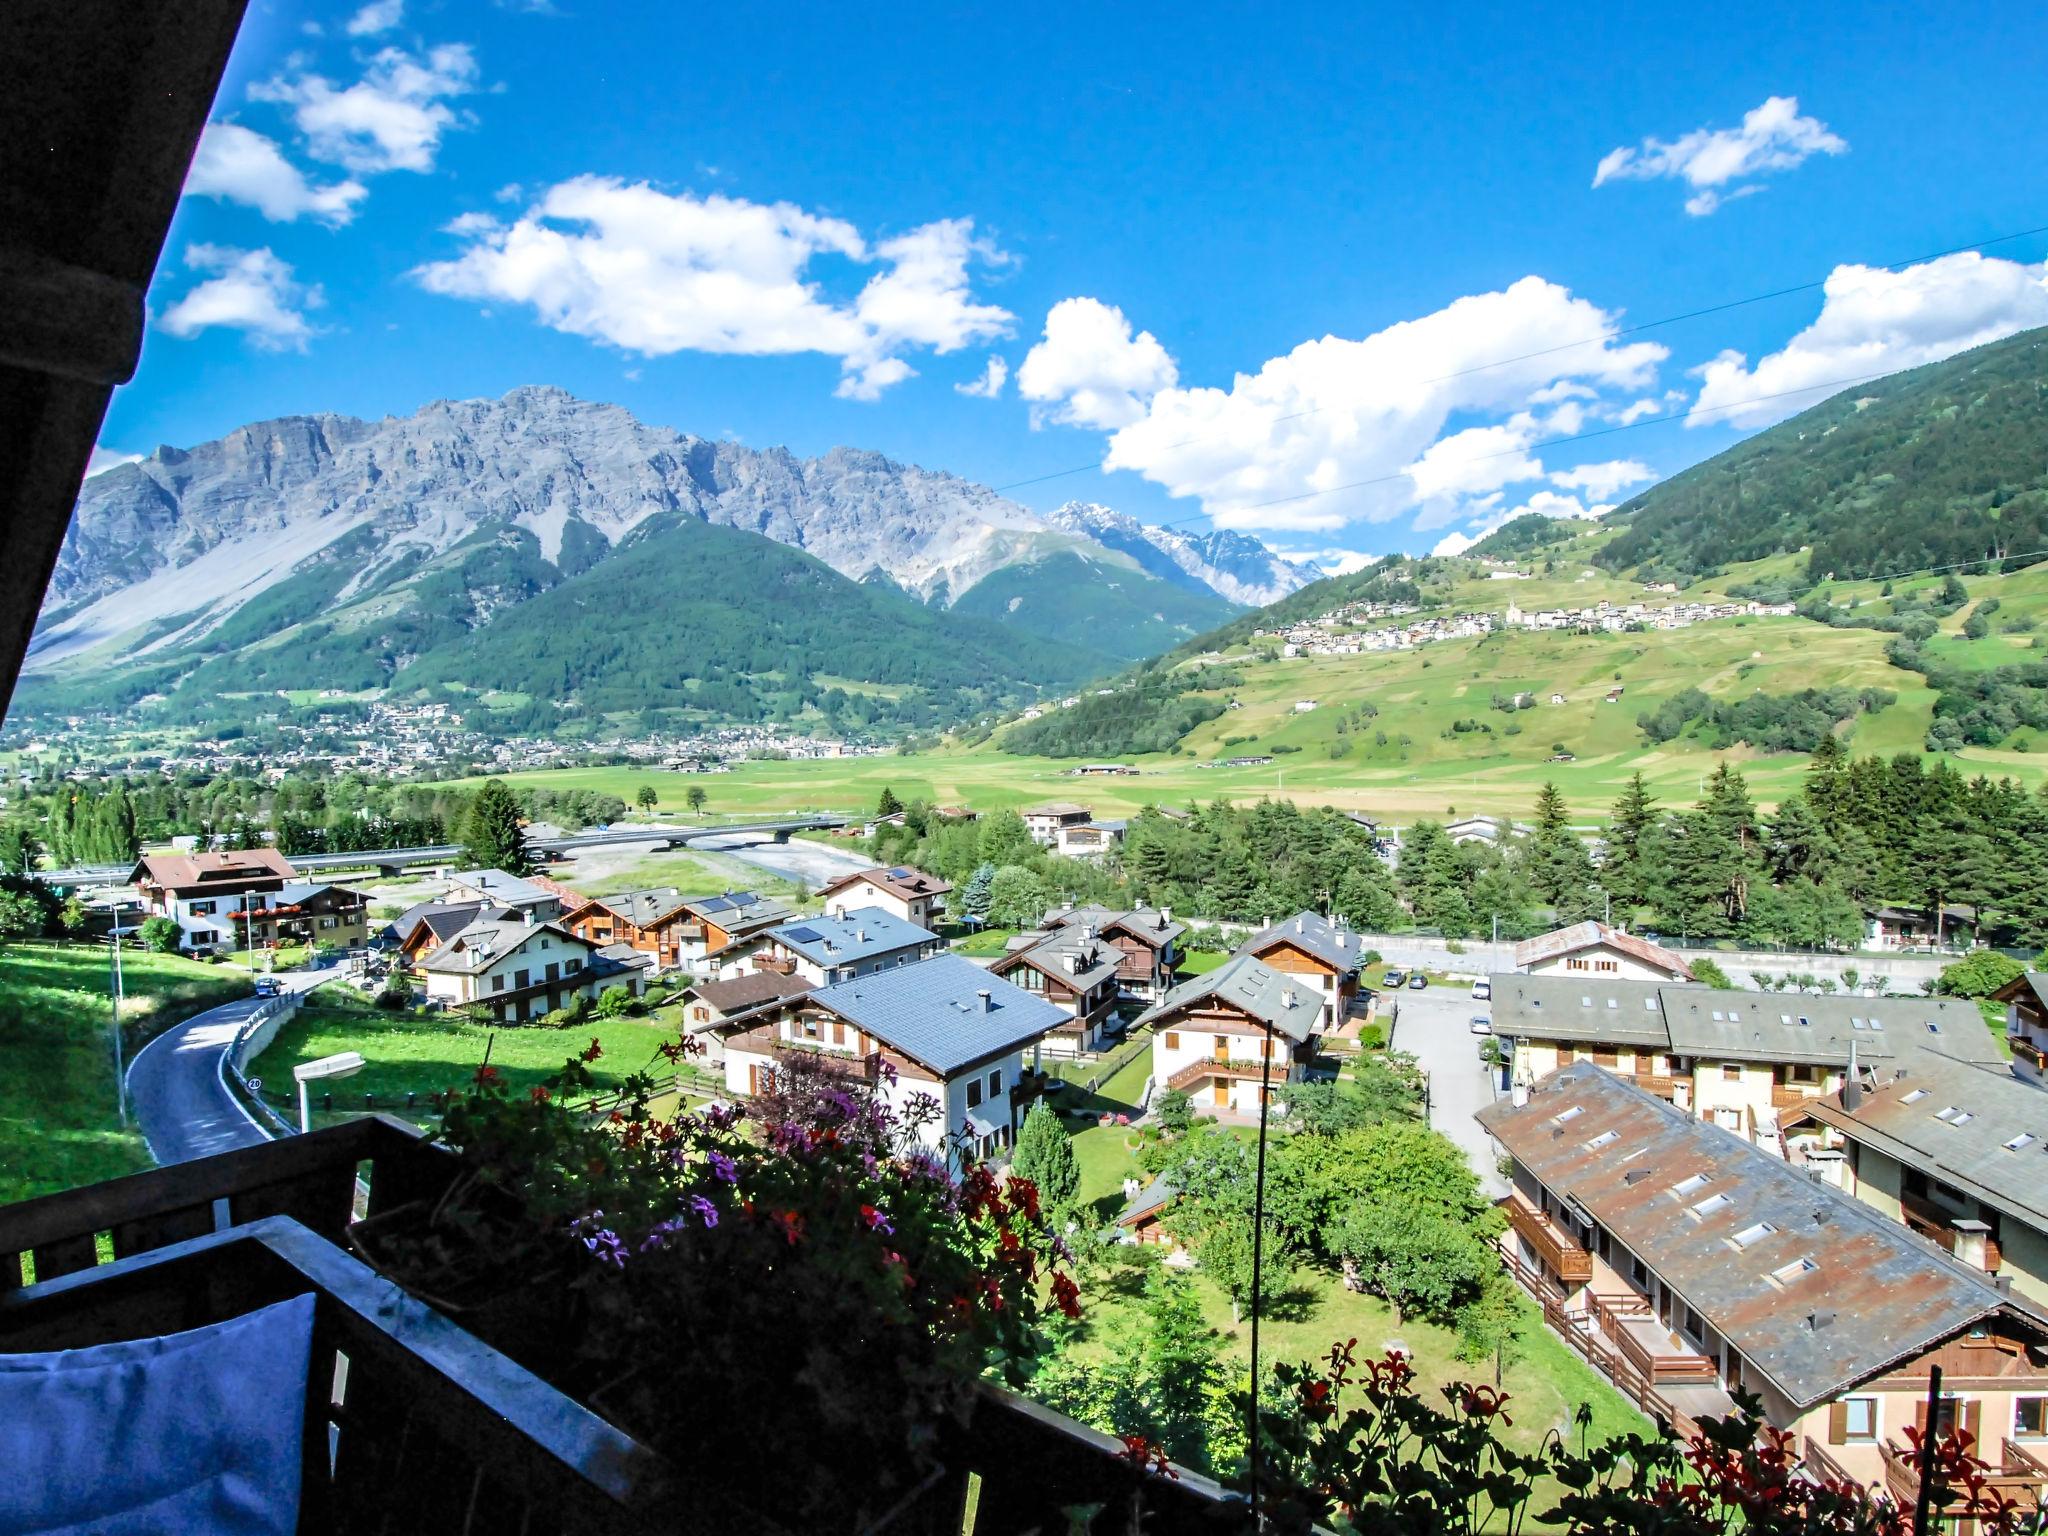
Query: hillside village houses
493, 887
1596, 949
950, 1034
1617, 618
520, 966
1147, 937
650, 921
240, 898
1074, 969
1088, 839
1689, 1264
823, 950
710, 1006
1044, 822
717, 923
1233, 1034
2026, 1024
1750, 1062
1320, 954
901, 891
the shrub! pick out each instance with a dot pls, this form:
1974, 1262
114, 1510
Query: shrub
1978, 975
1707, 973
160, 935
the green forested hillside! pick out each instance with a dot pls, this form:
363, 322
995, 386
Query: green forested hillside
1937, 466
1122, 613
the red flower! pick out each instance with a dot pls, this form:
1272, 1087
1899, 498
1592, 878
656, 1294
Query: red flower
790, 1224
1147, 1456
484, 1075
539, 1093
1316, 1402
1023, 1195
596, 1050
1066, 1295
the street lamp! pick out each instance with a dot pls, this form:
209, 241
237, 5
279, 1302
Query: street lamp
346, 1064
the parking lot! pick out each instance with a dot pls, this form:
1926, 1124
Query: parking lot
1435, 1027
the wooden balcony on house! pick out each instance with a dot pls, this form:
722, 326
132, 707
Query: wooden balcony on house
1793, 1095
1646, 1343
1818, 1464
1564, 1255
2016, 1476
414, 1423
1209, 1070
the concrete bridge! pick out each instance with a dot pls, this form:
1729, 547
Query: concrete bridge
396, 861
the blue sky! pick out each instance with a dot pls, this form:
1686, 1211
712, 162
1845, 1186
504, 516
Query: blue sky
1271, 266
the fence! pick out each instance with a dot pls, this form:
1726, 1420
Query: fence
250, 1041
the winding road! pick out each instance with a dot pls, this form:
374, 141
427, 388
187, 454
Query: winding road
176, 1089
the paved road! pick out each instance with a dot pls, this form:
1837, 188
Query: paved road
1435, 1028
174, 1083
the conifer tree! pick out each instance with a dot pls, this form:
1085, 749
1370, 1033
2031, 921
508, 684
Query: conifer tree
492, 837
1045, 1156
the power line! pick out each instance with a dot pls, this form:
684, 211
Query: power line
1612, 334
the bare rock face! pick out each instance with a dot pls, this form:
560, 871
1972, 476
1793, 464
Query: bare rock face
177, 543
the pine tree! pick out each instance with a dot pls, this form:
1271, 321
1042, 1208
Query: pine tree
979, 890
1631, 825
888, 805
492, 836
1045, 1156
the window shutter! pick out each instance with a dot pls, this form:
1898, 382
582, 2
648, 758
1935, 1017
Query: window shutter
1920, 1415
1973, 1417
1838, 1423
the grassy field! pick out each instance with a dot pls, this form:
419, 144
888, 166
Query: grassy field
58, 1124
422, 1055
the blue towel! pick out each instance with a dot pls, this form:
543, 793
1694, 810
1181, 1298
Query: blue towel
197, 1431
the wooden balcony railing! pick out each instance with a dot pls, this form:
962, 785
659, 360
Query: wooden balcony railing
1615, 1314
1566, 1257
1207, 1069
1791, 1095
2017, 1476
1820, 1464
415, 1424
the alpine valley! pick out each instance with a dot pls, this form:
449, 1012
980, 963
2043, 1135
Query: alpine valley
541, 558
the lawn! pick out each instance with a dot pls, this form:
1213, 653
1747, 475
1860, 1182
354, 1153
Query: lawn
989, 941
58, 1124
1199, 962
424, 1054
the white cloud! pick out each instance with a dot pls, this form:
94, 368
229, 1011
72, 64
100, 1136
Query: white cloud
989, 382
472, 223
390, 120
104, 459
242, 166
1475, 460
1874, 321
1550, 504
255, 293
1290, 445
656, 273
1453, 544
377, 16
1090, 371
1602, 481
1773, 137
1331, 562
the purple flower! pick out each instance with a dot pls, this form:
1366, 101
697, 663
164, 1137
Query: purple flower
583, 1226
705, 1210
877, 1220
723, 1168
723, 1117
607, 1247
662, 1234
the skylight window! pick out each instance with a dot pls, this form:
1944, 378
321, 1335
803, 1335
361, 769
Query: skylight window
1712, 1204
1567, 1116
1805, 1022
1784, 1274
1604, 1139
1750, 1236
1585, 1002
1691, 1184
1717, 1016
2024, 1139
1853, 1023
1948, 1113
1784, 1018
1914, 1097
1613, 1002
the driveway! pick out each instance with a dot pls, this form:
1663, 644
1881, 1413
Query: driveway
175, 1087
1435, 1027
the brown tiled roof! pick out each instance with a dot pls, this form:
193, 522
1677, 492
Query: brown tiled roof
1564, 941
570, 898
900, 881
179, 871
748, 990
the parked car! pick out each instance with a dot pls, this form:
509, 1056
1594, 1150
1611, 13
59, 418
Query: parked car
268, 986
1482, 991
1396, 978
1417, 982
1481, 1024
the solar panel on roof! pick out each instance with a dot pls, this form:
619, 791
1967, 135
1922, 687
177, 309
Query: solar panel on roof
802, 935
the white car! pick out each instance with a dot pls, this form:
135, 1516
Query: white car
1481, 1024
1482, 991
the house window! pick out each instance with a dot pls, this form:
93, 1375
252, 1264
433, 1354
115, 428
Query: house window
1172, 1040
1731, 1072
1944, 1421
995, 1082
497, 983
974, 1093
838, 1032
203, 909
2030, 1418
572, 967
1859, 1417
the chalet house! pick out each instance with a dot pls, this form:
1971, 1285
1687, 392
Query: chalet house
717, 923
422, 928
1956, 1150
651, 922
1043, 822
520, 967
1319, 953
710, 1006
1076, 970
1143, 1218
1149, 938
2026, 1024
1088, 839
1687, 1264
308, 912
1748, 1061
1594, 949
495, 888
908, 893
1917, 927
955, 1036
208, 894
823, 950
1217, 1037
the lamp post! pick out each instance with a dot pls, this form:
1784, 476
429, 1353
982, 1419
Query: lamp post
327, 1068
120, 1073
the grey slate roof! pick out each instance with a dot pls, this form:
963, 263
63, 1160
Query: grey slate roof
1098, 958
642, 908
492, 937
862, 934
1579, 1008
1561, 942
293, 892
739, 911
1155, 1196
1313, 934
1758, 1026
506, 890
1997, 1150
1875, 1294
750, 990
1146, 923
443, 917
932, 1011
1275, 998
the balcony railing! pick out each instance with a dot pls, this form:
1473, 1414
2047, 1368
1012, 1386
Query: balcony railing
416, 1424
1566, 1257
1624, 1319
2018, 1477
1208, 1069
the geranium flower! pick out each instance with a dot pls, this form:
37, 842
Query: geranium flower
877, 1220
1066, 1295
